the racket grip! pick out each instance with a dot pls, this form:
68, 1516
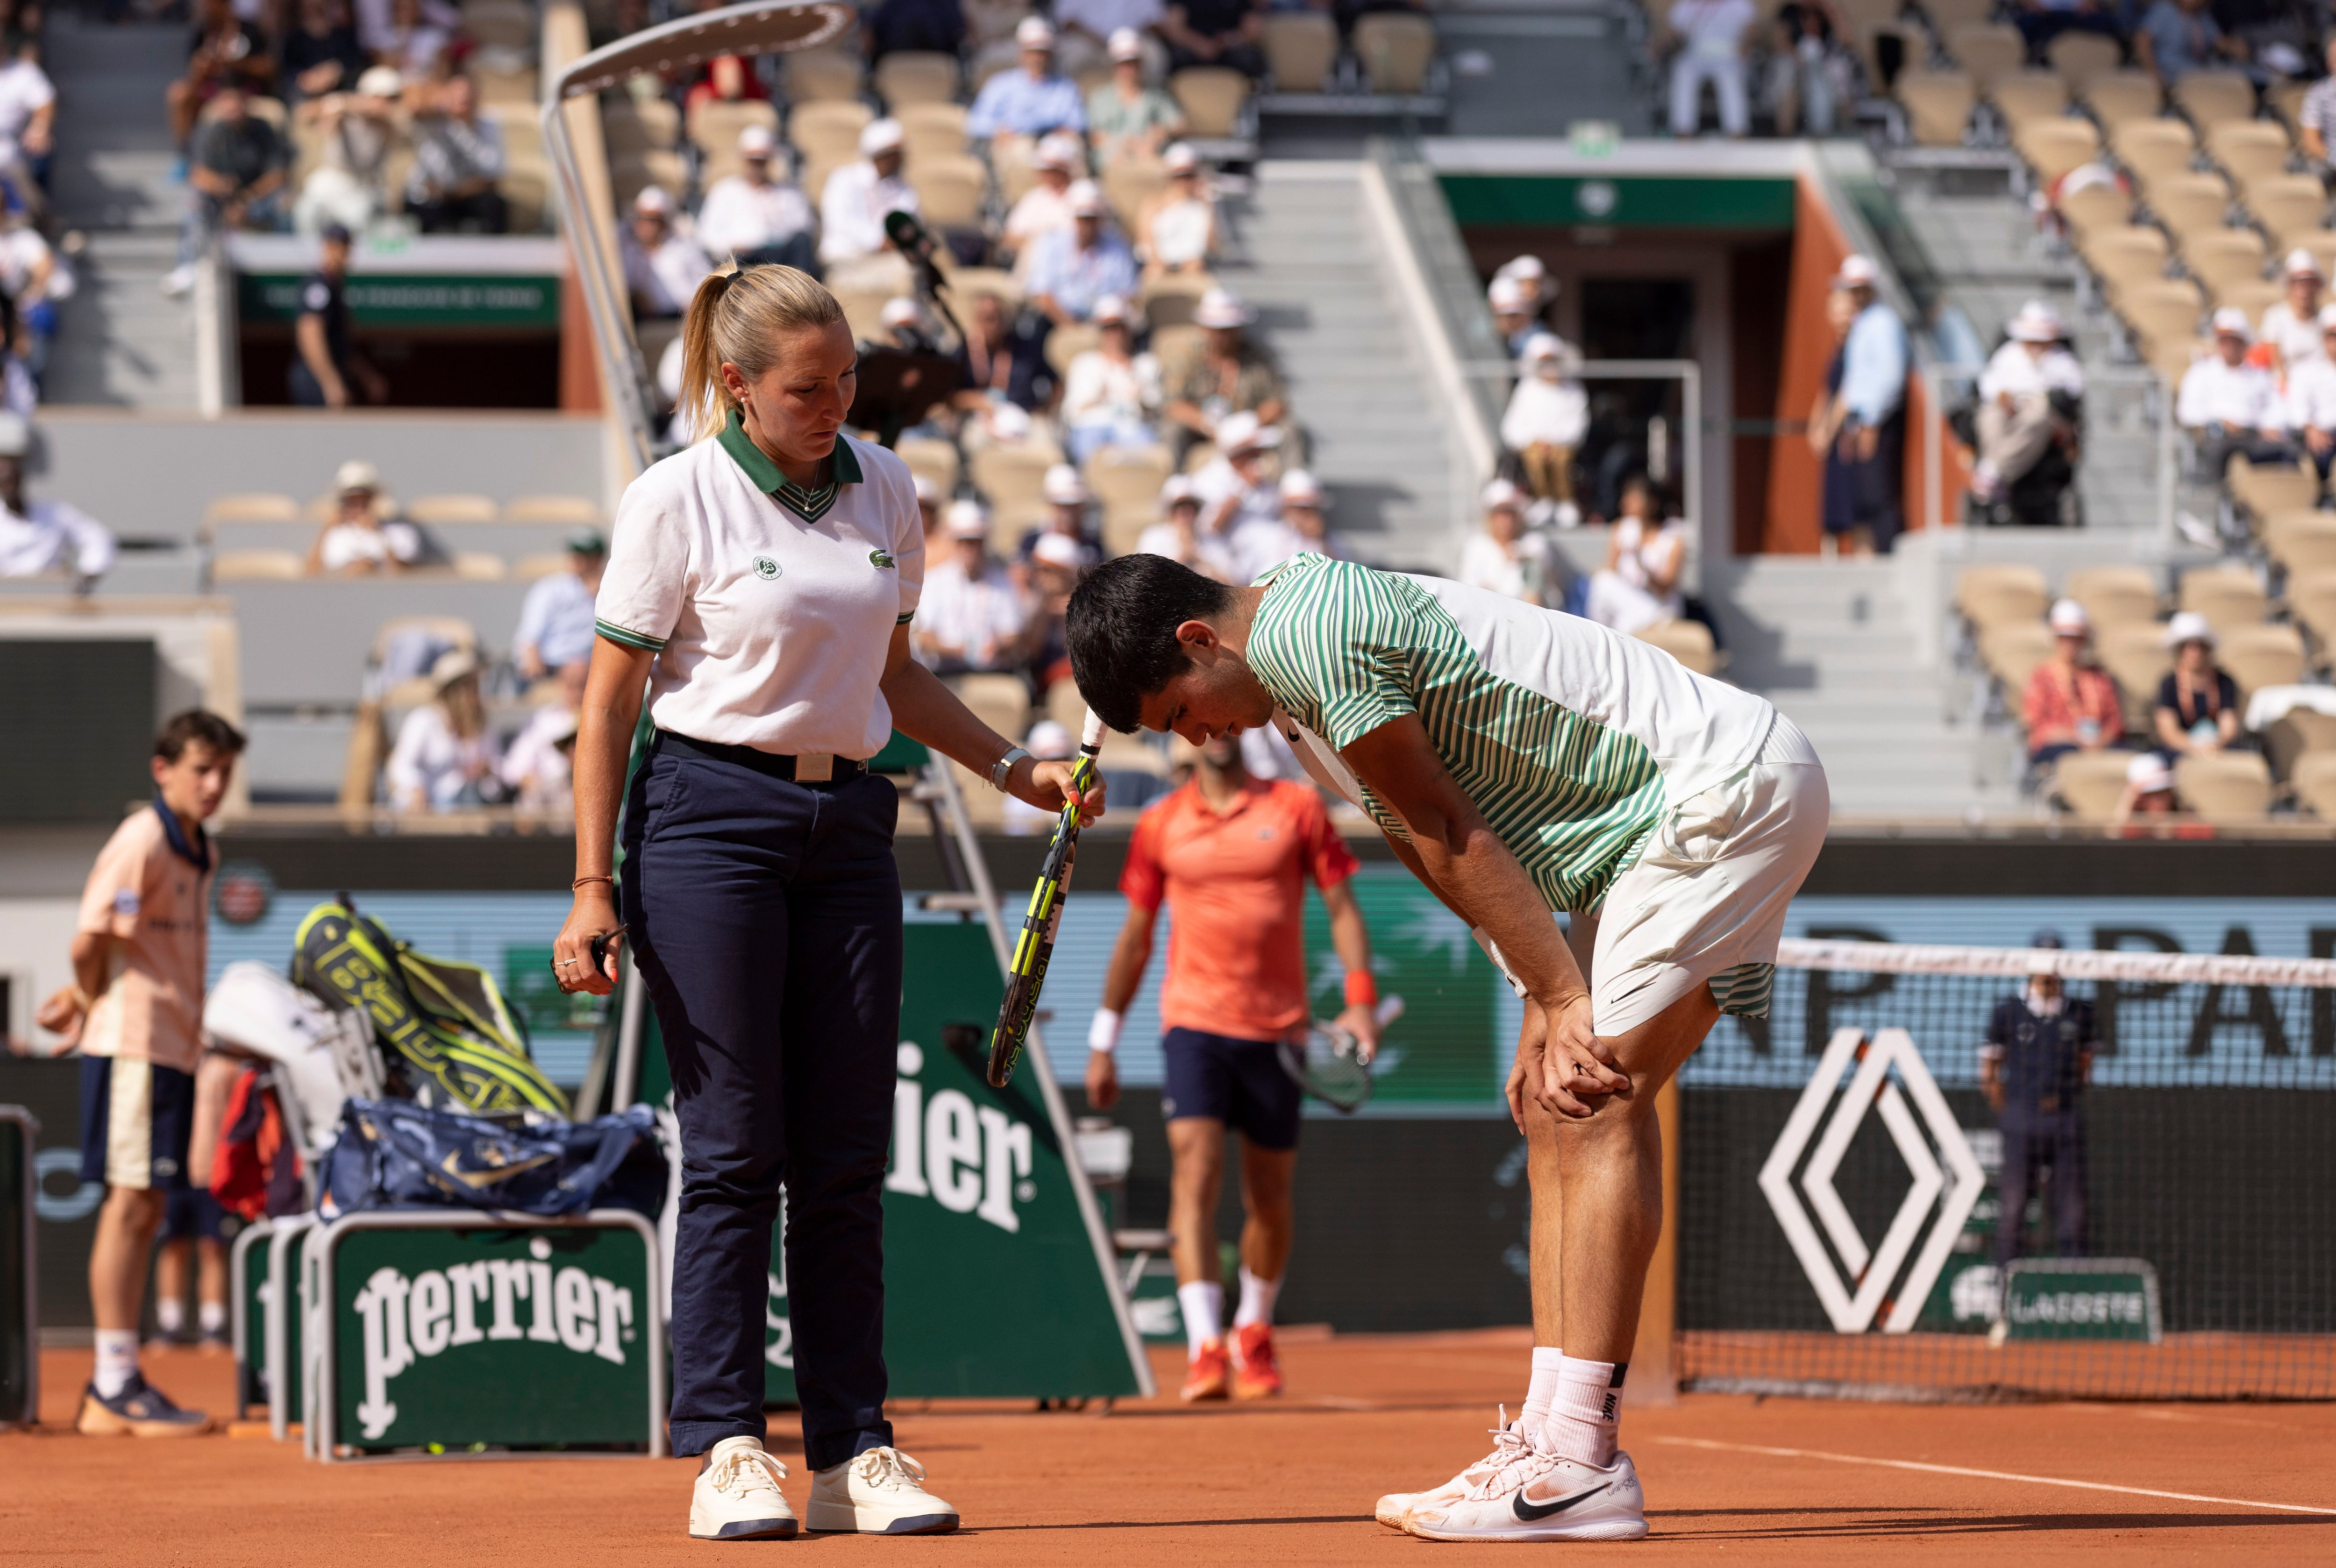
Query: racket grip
1389, 1009
1091, 733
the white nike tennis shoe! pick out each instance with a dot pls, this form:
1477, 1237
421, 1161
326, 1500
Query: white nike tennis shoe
737, 1495
1542, 1499
1508, 1446
880, 1492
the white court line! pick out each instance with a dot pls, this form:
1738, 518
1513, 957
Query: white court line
1985, 1474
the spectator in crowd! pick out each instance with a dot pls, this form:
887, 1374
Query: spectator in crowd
35, 278
1003, 359
2197, 702
1646, 556
970, 617
2176, 37
1836, 513
326, 364
1548, 415
1067, 499
662, 266
2231, 406
418, 37
1180, 536
1072, 268
2315, 119
1534, 273
353, 134
916, 26
2148, 790
555, 620
1810, 75
45, 538
1015, 108
1872, 440
1111, 393
363, 536
1306, 513
930, 500
1259, 544
2290, 327
225, 51
235, 181
1048, 742
537, 767
2041, 21
853, 209
459, 163
2033, 1068
29, 118
1236, 488
321, 53
1503, 558
1228, 32
1516, 309
1710, 36
1046, 205
1127, 118
2017, 421
1229, 375
1176, 227
758, 216
2311, 396
445, 759
1085, 29
2070, 703
1057, 563
903, 322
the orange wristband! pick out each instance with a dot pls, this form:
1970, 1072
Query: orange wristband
1362, 988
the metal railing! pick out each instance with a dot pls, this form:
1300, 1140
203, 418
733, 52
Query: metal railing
2131, 400
1670, 453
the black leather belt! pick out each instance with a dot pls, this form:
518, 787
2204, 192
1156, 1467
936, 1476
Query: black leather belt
771, 764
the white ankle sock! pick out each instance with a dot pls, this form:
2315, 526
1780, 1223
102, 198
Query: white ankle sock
212, 1317
1585, 1421
1541, 1392
117, 1360
1257, 1300
1202, 1304
169, 1315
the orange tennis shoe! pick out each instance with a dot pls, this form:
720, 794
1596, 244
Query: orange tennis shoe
1256, 1373
1208, 1374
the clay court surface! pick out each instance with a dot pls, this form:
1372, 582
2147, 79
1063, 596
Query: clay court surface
1289, 1482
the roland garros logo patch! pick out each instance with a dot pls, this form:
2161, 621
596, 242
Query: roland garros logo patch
766, 567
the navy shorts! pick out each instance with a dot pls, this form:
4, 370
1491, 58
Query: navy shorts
190, 1215
1238, 1083
136, 1117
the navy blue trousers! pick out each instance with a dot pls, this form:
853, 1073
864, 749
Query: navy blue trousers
765, 916
2055, 1139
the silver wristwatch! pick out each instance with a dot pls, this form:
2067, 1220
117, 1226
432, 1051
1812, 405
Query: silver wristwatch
1004, 766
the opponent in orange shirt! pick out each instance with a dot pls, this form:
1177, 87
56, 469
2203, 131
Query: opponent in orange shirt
1231, 856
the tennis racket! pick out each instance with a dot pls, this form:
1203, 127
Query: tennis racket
1330, 1063
1036, 945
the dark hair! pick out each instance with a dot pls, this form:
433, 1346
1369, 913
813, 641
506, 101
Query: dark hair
198, 724
1122, 631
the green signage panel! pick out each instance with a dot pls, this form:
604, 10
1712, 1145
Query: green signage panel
2081, 1299
413, 301
1619, 200
248, 1279
1448, 1047
20, 1395
449, 1335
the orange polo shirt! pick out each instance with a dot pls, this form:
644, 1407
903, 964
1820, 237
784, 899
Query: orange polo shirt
149, 889
1235, 886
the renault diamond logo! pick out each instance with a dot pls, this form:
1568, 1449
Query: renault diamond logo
1852, 1301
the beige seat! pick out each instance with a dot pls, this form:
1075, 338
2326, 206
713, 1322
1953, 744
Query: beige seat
1688, 641
570, 511
636, 125
1129, 183
2289, 206
2137, 659
2115, 596
2091, 783
949, 189
828, 130
1395, 49
2228, 596
822, 75
2261, 655
997, 280
1012, 477
2315, 783
1170, 300
932, 130
1212, 97
1001, 701
2189, 203
911, 76
2154, 148
2081, 58
2267, 491
2311, 600
2296, 734
2253, 295
2091, 208
1126, 482
2163, 314
437, 511
1301, 46
2219, 257
1174, 347
2053, 147
2127, 257
506, 85
1996, 595
2211, 97
2226, 786
1988, 50
1066, 343
256, 566
1946, 16
863, 311
936, 460
527, 195
2248, 149
2302, 543
1938, 105
634, 172
2118, 96
251, 507
2319, 242
715, 124
2020, 96
542, 563
478, 566
2012, 652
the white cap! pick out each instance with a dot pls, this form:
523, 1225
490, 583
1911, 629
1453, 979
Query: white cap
2302, 263
2189, 626
1178, 488
1508, 295
1062, 486
1058, 550
2148, 772
967, 521
1009, 422
1049, 741
880, 136
16, 435
654, 199
756, 141
1542, 345
1112, 307
380, 81
900, 311
1857, 272
1085, 199
1181, 159
2038, 323
1301, 489
1221, 308
2232, 322
1529, 267
1245, 432
1501, 496
1125, 43
356, 474
1056, 151
1034, 32
2327, 317
928, 494
451, 665
2069, 619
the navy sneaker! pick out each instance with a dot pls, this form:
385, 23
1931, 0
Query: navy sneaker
139, 1410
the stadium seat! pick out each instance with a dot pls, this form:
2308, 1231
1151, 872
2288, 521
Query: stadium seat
2020, 96
634, 172
1395, 49
1946, 16
984, 808
2285, 100
2319, 242
520, 128
527, 197
256, 566
2217, 257
541, 565
1996, 595
1001, 701
654, 336
1174, 347
2053, 147
2116, 97
2125, 257
1688, 641
1013, 477
1065, 343
2012, 650
2189, 204
2252, 294
2137, 659
1938, 105
1129, 183
932, 130
997, 280
642, 125
2302, 543
911, 76
2267, 491
2261, 655
826, 130
2211, 97
1301, 46
1212, 97
1065, 707
2153, 150
2115, 596
2081, 58
2228, 596
863, 311
2288, 206
511, 28
820, 75
2299, 733
935, 461
478, 566
573, 511
2090, 209
1126, 482
2090, 783
1990, 51
1170, 299
2227, 787
2311, 600
2248, 149
2315, 784
436, 511
714, 126
950, 189
253, 506
504, 84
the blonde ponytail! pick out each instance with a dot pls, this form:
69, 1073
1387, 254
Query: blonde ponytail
736, 318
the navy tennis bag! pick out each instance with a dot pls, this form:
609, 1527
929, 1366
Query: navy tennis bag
393, 1154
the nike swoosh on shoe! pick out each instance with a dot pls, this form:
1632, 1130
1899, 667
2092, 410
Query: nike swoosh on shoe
1530, 1512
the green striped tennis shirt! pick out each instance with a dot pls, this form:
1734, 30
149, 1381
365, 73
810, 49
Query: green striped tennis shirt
1573, 741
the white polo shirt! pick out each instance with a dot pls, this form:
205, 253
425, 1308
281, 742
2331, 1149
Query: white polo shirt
770, 620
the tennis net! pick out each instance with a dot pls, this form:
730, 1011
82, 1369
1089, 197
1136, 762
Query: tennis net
1842, 1176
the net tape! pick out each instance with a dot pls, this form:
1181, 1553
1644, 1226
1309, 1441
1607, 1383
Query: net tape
2019, 963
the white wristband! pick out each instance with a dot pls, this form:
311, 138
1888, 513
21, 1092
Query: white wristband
1103, 1030
1492, 950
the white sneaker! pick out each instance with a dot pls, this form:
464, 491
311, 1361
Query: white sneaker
881, 1492
1543, 1498
1508, 1448
179, 280
737, 1495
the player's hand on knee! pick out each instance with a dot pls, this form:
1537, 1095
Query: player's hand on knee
1578, 1067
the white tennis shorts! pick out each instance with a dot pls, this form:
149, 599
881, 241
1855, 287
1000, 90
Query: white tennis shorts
1705, 903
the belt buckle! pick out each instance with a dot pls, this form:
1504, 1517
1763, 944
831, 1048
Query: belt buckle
814, 767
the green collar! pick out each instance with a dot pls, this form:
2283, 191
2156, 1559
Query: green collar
765, 475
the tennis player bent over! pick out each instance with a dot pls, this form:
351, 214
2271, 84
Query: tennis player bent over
1521, 761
